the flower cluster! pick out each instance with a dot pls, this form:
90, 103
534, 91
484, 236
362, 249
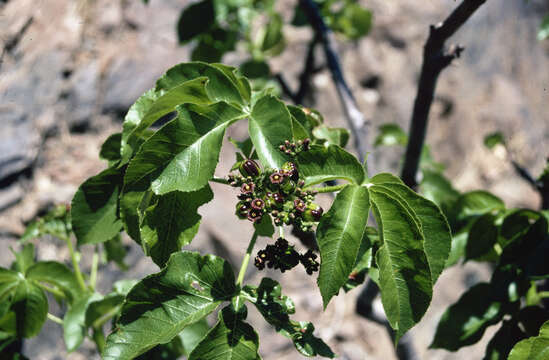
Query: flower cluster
277, 192
294, 148
283, 256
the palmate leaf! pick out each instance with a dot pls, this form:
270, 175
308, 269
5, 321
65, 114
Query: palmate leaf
56, 274
94, 208
276, 308
230, 339
74, 321
160, 306
172, 223
415, 243
322, 163
196, 83
339, 236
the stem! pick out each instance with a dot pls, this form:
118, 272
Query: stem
93, 273
75, 265
97, 324
51, 290
220, 180
246, 260
55, 319
327, 189
281, 231
543, 294
99, 339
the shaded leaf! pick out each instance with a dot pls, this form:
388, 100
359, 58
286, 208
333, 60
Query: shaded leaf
161, 305
503, 340
195, 19
102, 309
30, 305
94, 208
276, 308
464, 322
110, 150
391, 134
172, 223
478, 203
116, 251
483, 235
231, 338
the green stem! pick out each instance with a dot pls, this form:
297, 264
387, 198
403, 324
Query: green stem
93, 273
246, 260
55, 319
97, 324
51, 290
327, 189
75, 265
281, 231
543, 294
99, 339
220, 180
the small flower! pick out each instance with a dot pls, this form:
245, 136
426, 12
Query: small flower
254, 215
258, 204
276, 178
278, 198
247, 188
299, 205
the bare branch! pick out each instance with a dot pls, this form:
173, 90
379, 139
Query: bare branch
355, 119
435, 59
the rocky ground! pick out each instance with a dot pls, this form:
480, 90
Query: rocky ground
70, 70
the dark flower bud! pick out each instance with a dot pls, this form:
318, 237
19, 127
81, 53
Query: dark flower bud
279, 198
258, 204
313, 212
242, 209
249, 168
287, 143
301, 183
306, 143
281, 244
247, 188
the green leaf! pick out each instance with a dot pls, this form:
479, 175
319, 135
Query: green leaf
74, 322
207, 52
95, 208
254, 69
501, 344
433, 226
24, 258
332, 136
265, 226
116, 251
192, 334
483, 235
459, 242
273, 37
170, 351
270, 124
543, 32
478, 202
30, 306
300, 116
404, 274
390, 135
183, 154
464, 322
195, 19
355, 21
110, 150
435, 187
363, 262
533, 348
339, 235
320, 164
160, 306
102, 309
154, 104
276, 308
56, 274
172, 223
491, 140
231, 338
57, 222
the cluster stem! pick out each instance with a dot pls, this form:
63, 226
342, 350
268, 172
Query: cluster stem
246, 259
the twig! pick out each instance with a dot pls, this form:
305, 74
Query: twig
16, 38
435, 59
355, 119
286, 88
